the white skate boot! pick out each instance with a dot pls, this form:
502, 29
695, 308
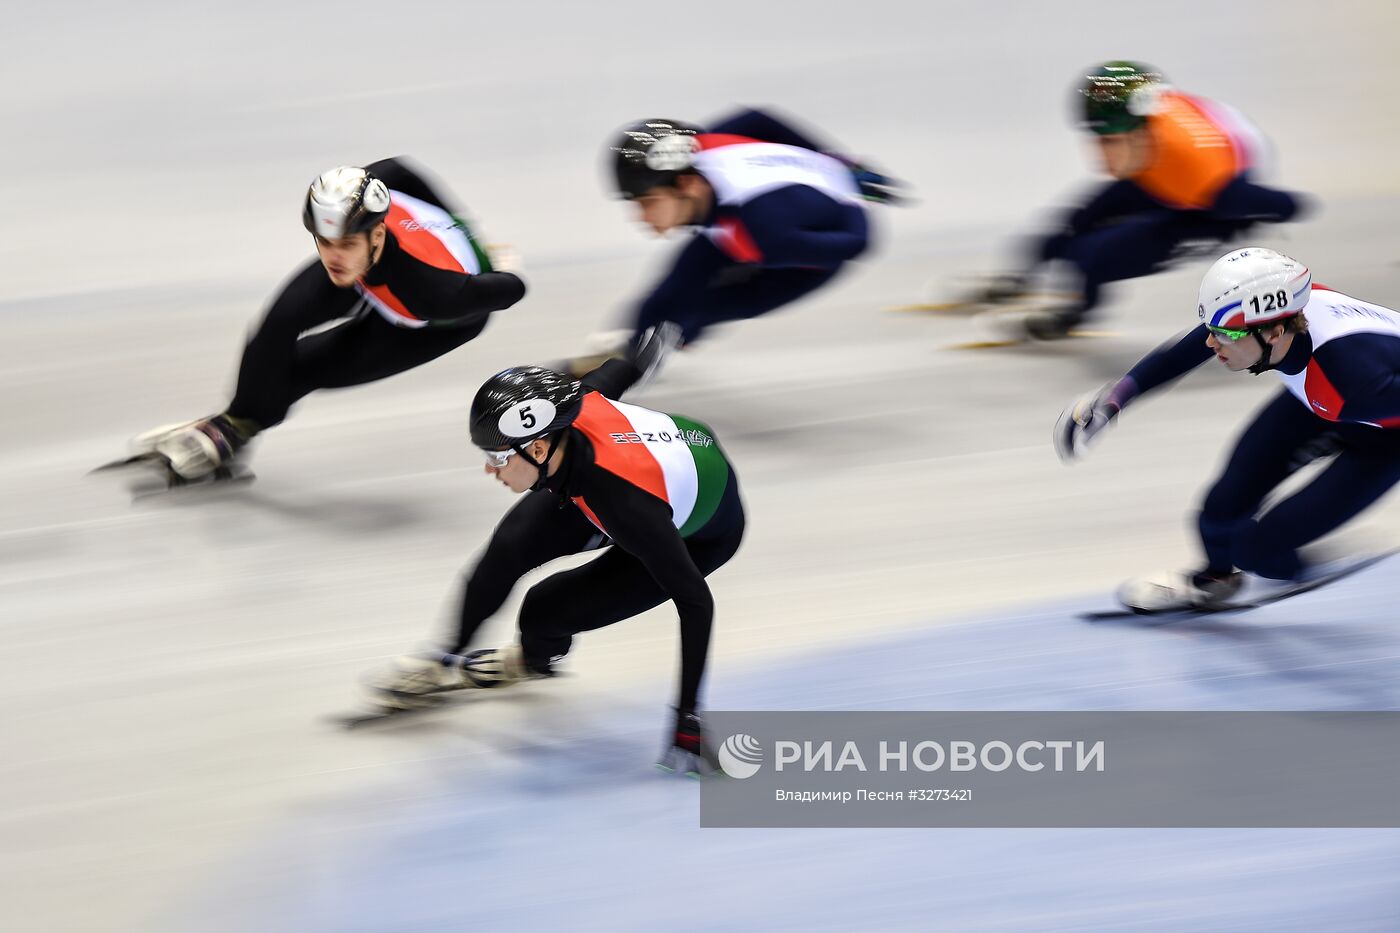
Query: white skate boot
499, 667
194, 449
416, 682
1177, 591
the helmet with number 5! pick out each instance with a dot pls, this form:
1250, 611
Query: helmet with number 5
1253, 287
521, 404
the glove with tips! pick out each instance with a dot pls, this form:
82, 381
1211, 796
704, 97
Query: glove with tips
1083, 421
688, 750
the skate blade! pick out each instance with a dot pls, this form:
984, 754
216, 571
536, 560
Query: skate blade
151, 460
155, 478
941, 307
967, 307
376, 714
1003, 343
174, 486
1242, 602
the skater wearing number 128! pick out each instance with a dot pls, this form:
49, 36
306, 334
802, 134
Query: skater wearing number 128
1339, 360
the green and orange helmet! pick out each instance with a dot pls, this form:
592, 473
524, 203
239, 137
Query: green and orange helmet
1118, 96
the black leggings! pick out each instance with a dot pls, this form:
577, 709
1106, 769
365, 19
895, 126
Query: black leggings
279, 367
611, 587
1366, 467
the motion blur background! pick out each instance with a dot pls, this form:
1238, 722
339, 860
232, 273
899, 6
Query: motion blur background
169, 667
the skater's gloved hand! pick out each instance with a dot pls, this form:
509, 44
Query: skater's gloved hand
1082, 421
504, 258
874, 186
653, 347
689, 752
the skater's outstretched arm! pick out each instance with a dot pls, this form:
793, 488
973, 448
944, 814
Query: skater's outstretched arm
1170, 361
1089, 415
613, 378
448, 298
441, 296
1242, 200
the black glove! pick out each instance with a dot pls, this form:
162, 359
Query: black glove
874, 186
688, 751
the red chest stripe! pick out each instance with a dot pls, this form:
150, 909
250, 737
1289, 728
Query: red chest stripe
1323, 397
734, 239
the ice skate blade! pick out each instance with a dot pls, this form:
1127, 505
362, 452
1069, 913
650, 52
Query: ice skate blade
160, 479
150, 460
967, 307
377, 714
1280, 594
1005, 342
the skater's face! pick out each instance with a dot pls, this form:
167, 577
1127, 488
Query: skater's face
518, 473
348, 258
1238, 355
1125, 154
665, 209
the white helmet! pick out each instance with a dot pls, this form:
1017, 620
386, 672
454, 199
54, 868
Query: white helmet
1252, 287
344, 201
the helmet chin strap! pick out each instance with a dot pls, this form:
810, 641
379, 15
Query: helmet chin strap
1263, 365
541, 466
375, 254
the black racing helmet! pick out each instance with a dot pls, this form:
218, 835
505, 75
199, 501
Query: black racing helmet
523, 403
651, 154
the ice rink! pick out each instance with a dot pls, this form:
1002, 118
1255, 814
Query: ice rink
170, 666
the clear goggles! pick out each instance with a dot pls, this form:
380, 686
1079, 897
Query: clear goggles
497, 459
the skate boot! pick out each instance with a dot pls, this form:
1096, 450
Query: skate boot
500, 667
1034, 318
1176, 591
1049, 324
416, 681
196, 449
999, 288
